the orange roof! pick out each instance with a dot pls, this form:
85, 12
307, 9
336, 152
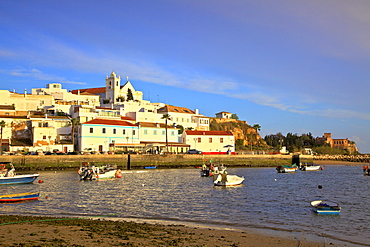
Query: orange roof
208, 133
154, 125
171, 108
109, 122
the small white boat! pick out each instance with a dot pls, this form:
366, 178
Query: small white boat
311, 168
325, 207
228, 180
98, 172
8, 176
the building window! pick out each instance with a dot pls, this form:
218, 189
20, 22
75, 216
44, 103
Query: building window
44, 137
145, 132
124, 132
103, 130
221, 140
114, 131
163, 132
210, 140
154, 132
172, 133
199, 140
133, 132
91, 130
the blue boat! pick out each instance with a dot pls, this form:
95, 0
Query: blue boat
325, 207
150, 167
8, 176
20, 197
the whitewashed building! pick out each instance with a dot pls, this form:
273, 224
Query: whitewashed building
210, 142
103, 135
153, 137
185, 117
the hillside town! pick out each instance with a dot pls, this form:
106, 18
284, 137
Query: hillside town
110, 119
116, 119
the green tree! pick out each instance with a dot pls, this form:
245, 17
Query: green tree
257, 127
166, 117
2, 125
234, 116
120, 98
180, 129
129, 95
74, 123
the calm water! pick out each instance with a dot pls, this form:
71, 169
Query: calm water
267, 200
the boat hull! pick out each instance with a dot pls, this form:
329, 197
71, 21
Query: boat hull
325, 208
19, 197
286, 169
19, 179
229, 180
98, 173
311, 168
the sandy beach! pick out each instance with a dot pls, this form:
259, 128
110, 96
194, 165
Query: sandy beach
44, 231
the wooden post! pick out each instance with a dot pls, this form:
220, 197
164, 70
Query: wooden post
128, 162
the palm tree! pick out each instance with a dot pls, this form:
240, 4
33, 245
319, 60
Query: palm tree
2, 125
257, 127
166, 117
74, 122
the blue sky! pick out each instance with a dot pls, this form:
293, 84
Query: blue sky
290, 66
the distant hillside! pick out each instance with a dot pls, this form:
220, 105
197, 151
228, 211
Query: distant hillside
245, 135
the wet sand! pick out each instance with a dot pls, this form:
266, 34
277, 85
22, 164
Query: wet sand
45, 231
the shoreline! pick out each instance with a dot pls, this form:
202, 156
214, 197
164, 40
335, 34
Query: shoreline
36, 230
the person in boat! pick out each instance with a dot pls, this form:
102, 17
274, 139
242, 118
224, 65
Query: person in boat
204, 167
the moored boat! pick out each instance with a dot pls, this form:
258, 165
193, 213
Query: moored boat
228, 180
87, 172
19, 197
287, 168
325, 207
8, 175
311, 167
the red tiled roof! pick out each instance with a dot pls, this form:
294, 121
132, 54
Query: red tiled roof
97, 90
209, 133
89, 90
109, 122
127, 118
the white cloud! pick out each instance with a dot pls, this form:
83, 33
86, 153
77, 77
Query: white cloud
39, 75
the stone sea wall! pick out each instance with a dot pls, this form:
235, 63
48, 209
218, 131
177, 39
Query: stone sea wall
134, 161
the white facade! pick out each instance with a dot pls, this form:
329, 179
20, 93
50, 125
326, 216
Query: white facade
185, 117
49, 132
114, 90
104, 135
25, 102
224, 114
210, 142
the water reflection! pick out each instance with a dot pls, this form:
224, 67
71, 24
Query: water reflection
265, 200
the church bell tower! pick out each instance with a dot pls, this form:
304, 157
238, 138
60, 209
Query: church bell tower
112, 87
